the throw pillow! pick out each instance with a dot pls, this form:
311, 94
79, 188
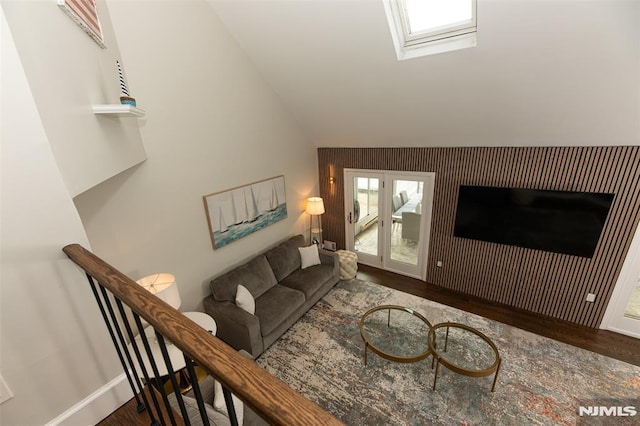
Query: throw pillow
245, 300
309, 256
220, 405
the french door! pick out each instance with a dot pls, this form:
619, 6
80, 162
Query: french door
389, 219
364, 200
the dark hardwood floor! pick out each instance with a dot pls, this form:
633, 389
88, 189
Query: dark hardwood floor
128, 413
604, 342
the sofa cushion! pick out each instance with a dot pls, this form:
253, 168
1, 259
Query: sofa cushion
309, 280
285, 258
245, 300
309, 256
276, 305
256, 276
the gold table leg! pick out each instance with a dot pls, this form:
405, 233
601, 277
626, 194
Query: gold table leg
495, 378
435, 376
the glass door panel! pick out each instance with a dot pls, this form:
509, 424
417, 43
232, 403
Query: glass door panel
366, 214
633, 307
407, 239
406, 220
623, 311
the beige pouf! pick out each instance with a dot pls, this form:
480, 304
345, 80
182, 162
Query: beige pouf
348, 264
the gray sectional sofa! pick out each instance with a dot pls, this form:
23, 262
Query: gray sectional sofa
282, 290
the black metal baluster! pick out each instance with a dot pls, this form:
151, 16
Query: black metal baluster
141, 404
145, 374
196, 390
172, 377
231, 410
114, 320
156, 372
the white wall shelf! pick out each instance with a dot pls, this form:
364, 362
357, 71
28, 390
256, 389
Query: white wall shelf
119, 110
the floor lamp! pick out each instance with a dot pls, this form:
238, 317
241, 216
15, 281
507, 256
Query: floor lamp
315, 207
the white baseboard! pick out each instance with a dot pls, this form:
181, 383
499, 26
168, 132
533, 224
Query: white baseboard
98, 405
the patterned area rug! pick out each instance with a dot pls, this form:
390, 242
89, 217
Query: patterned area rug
541, 381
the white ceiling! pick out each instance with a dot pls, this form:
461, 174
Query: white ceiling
545, 72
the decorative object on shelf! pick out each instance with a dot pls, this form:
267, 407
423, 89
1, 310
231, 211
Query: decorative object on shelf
85, 14
164, 286
238, 212
125, 97
315, 207
127, 100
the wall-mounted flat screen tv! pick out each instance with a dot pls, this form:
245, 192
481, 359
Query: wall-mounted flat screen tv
556, 221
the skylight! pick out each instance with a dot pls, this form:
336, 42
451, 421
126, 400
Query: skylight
425, 27
427, 15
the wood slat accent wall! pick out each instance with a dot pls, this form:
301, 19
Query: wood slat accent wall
543, 282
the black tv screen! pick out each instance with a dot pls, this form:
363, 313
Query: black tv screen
557, 221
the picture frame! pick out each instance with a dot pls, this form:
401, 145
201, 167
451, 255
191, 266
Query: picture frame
85, 14
235, 213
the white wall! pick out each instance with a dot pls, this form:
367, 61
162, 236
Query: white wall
68, 72
55, 349
212, 124
544, 73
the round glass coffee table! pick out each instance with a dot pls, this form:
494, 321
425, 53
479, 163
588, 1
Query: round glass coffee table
395, 333
464, 350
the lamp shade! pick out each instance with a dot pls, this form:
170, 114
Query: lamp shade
315, 206
164, 286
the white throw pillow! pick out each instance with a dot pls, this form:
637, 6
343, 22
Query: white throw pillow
245, 300
220, 405
309, 256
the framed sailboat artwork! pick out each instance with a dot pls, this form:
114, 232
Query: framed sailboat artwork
238, 212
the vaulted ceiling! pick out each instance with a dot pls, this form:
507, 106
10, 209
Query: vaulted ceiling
544, 72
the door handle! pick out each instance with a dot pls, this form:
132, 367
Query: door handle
350, 220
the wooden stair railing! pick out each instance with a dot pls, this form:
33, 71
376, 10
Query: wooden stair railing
272, 399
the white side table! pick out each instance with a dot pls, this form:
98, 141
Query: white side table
175, 354
203, 320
